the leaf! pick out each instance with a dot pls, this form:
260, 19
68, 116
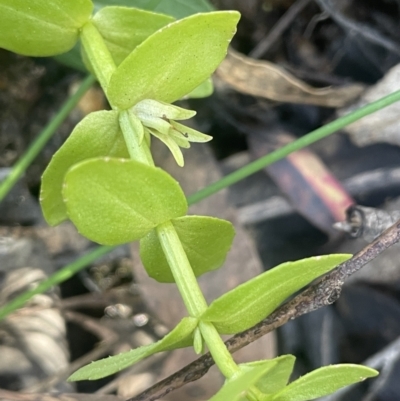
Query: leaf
277, 377
249, 303
323, 381
205, 240
265, 79
114, 201
183, 8
305, 181
176, 8
123, 28
42, 27
179, 337
203, 90
234, 388
174, 60
98, 134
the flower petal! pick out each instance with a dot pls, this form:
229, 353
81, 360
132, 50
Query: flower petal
156, 123
181, 141
172, 145
190, 134
162, 110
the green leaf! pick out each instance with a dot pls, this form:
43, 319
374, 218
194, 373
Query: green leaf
277, 377
123, 28
179, 337
234, 388
249, 303
323, 381
183, 8
174, 60
176, 8
42, 27
203, 90
205, 240
97, 135
114, 201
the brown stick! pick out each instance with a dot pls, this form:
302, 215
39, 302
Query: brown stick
324, 291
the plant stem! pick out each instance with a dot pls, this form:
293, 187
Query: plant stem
137, 151
181, 269
193, 297
98, 54
63, 274
26, 159
300, 143
222, 357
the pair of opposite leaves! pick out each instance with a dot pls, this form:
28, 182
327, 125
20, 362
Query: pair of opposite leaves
116, 200
268, 376
105, 212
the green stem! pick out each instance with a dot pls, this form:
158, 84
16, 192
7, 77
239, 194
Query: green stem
98, 54
193, 297
222, 357
300, 143
137, 147
104, 66
63, 274
38, 144
181, 269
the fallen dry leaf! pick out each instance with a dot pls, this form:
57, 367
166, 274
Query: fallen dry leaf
268, 80
305, 180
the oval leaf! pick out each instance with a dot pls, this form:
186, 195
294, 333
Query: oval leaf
249, 303
97, 135
234, 388
206, 241
42, 27
123, 28
179, 337
323, 381
173, 61
277, 377
176, 8
114, 201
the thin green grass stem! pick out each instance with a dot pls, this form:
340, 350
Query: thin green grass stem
300, 143
62, 275
228, 180
27, 158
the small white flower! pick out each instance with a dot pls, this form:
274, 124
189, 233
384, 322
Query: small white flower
158, 119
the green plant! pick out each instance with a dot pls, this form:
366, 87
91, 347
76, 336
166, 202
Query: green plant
104, 180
